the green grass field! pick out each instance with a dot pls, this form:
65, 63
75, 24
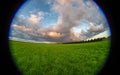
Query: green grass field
60, 59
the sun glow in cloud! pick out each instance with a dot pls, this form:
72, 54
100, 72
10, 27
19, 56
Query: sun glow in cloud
62, 1
54, 34
74, 20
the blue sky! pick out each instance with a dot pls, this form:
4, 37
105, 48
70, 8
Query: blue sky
48, 20
35, 6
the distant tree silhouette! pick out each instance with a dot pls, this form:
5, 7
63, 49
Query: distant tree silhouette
90, 40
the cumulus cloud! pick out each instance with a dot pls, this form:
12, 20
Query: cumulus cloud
96, 28
31, 20
22, 28
36, 18
93, 30
70, 16
71, 12
54, 34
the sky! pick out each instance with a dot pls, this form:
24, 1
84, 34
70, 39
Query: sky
58, 21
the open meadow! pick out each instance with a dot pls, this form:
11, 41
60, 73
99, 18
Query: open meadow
60, 59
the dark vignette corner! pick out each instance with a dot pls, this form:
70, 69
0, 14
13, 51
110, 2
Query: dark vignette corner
8, 9
110, 9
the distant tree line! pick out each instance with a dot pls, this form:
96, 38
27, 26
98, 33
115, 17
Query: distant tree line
91, 40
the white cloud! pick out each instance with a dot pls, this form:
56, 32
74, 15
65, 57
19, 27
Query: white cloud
71, 12
22, 28
35, 18
101, 35
95, 28
54, 34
